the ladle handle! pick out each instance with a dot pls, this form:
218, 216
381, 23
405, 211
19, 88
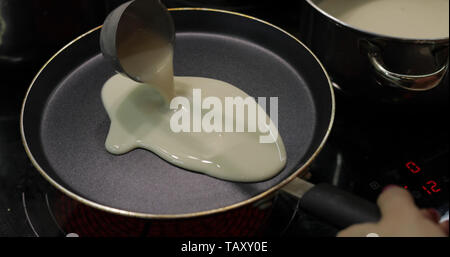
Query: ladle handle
333, 205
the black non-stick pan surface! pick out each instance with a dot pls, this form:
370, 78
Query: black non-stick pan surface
64, 124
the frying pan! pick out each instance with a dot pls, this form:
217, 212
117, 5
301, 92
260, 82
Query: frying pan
64, 124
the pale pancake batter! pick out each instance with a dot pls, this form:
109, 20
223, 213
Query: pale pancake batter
418, 19
140, 118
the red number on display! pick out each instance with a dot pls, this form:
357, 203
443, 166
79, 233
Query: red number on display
434, 187
412, 166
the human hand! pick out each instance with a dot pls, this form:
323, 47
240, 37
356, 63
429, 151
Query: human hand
400, 217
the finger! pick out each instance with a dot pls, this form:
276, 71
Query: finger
444, 226
396, 201
431, 214
359, 230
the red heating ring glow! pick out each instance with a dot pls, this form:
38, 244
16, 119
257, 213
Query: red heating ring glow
75, 217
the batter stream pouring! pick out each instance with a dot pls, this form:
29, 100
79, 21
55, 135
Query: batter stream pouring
200, 124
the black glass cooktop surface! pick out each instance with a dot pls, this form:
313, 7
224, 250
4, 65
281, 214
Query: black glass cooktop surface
369, 148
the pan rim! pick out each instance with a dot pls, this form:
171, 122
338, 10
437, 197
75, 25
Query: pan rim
121, 212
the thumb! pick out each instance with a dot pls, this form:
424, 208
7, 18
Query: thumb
396, 201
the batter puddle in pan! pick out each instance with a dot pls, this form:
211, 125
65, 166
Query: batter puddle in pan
140, 118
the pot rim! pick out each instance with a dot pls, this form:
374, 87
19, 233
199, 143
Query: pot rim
374, 34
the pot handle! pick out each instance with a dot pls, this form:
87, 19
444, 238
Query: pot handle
331, 204
407, 82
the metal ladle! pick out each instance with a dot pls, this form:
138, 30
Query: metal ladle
126, 29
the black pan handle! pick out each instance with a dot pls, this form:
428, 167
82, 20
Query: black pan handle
338, 207
333, 205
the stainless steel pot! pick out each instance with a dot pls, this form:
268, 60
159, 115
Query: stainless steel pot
377, 66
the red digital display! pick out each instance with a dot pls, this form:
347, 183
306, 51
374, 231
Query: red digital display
431, 187
413, 167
